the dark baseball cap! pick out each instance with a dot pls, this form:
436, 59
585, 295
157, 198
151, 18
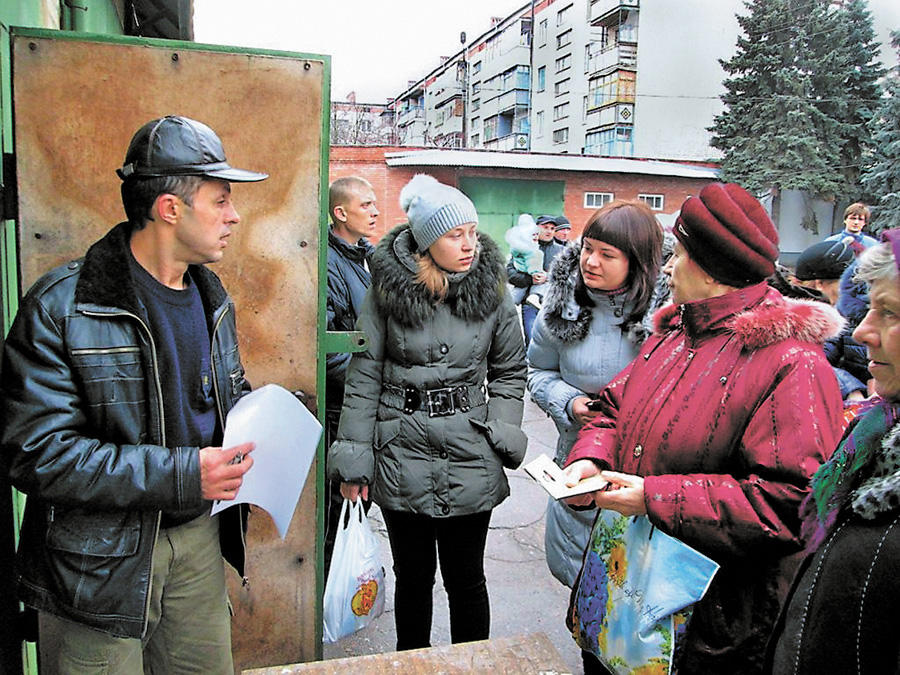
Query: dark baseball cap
825, 260
178, 146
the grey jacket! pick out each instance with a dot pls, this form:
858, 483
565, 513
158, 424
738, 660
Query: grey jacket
574, 351
83, 436
433, 465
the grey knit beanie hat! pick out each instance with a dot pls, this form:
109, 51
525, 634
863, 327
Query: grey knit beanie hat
434, 209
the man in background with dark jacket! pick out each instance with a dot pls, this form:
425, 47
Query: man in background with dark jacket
117, 375
354, 212
550, 248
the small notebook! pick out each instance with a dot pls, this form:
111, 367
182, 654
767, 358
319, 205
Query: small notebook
553, 479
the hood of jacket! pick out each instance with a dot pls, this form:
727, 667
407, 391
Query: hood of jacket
473, 296
564, 317
758, 315
106, 276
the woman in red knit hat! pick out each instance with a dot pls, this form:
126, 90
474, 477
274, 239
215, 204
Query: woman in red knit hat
715, 429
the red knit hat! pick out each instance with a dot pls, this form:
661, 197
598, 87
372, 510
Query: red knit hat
728, 233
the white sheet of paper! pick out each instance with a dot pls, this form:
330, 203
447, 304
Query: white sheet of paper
286, 436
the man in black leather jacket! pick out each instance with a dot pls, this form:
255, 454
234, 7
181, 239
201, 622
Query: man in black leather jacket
117, 375
354, 212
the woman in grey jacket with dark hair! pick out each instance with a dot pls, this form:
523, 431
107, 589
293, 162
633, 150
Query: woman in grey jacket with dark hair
589, 328
433, 407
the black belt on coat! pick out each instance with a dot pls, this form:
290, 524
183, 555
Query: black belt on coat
438, 402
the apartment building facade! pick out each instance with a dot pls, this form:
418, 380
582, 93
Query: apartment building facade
581, 77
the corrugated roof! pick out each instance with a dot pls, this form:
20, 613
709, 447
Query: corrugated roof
539, 161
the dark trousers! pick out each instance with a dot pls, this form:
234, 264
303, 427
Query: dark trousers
417, 543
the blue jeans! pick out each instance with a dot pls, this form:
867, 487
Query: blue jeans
529, 314
459, 542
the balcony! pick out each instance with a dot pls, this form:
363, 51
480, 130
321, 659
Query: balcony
513, 99
410, 115
602, 10
621, 55
517, 141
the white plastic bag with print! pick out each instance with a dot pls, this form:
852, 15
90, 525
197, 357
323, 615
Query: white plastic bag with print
354, 590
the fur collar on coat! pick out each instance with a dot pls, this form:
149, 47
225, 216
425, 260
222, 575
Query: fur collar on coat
761, 322
565, 319
473, 296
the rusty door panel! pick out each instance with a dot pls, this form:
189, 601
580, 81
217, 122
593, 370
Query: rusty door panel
76, 104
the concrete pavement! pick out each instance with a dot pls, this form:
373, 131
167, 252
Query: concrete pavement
525, 598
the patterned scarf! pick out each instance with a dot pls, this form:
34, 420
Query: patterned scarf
841, 475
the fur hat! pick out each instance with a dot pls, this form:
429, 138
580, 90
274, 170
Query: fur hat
825, 260
728, 233
434, 209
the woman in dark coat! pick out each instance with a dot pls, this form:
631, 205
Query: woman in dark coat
841, 615
433, 407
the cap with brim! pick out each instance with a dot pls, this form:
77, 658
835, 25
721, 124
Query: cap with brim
179, 146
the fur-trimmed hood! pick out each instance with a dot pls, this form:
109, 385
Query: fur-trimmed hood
759, 315
564, 317
473, 295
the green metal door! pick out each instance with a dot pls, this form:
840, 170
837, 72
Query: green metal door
500, 201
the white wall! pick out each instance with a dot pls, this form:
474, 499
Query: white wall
679, 77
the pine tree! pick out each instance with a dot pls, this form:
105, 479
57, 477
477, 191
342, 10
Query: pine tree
882, 177
798, 94
770, 130
860, 84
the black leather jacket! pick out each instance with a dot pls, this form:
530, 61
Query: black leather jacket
83, 436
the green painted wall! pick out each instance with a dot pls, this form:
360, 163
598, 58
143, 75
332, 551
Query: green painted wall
500, 202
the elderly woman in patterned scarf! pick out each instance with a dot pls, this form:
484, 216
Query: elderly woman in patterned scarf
841, 615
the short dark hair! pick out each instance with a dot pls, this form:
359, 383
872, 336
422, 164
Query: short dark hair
343, 189
139, 195
633, 229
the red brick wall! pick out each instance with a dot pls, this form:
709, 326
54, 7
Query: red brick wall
368, 162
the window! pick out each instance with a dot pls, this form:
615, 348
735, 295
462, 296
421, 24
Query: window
541, 78
542, 33
617, 87
476, 104
476, 67
612, 142
594, 200
476, 87
476, 141
584, 109
539, 123
561, 87
561, 135
491, 125
563, 63
475, 122
560, 111
587, 57
563, 15
655, 202
563, 39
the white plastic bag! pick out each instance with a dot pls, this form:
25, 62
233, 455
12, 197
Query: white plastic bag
354, 590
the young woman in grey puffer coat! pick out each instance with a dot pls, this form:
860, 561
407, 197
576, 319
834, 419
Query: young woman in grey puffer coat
589, 328
433, 407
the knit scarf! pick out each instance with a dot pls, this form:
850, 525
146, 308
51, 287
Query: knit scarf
838, 478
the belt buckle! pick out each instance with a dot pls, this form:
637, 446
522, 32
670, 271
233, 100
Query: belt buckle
411, 400
440, 402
